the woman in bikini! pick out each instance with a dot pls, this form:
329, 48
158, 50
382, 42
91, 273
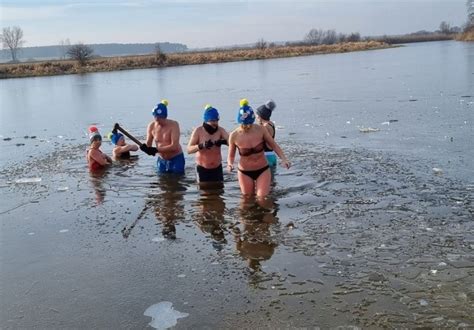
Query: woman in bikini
250, 140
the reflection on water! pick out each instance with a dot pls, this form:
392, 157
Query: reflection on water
210, 215
255, 242
97, 179
167, 203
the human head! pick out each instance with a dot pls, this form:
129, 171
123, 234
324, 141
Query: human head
95, 139
117, 138
211, 115
245, 116
161, 110
265, 111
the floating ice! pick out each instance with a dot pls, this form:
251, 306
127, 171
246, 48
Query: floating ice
28, 180
64, 230
423, 302
163, 315
63, 188
158, 239
368, 129
182, 275
31, 233
437, 171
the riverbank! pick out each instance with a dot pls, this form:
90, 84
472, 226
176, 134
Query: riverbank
61, 67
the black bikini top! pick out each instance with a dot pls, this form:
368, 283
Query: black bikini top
267, 148
250, 151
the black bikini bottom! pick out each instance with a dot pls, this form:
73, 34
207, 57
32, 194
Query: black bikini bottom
255, 173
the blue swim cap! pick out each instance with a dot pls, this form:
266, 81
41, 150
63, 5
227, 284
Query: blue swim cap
115, 138
245, 115
161, 109
210, 114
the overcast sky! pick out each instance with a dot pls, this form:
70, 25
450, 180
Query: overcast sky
211, 23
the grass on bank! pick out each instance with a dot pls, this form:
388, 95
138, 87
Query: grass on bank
59, 67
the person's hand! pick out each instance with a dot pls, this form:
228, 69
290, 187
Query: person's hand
208, 144
230, 167
151, 151
286, 164
220, 142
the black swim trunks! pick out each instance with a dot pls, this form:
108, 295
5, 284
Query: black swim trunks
209, 174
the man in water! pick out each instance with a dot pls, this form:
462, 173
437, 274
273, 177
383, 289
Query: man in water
206, 141
165, 132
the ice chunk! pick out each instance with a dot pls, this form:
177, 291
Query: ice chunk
368, 129
163, 315
437, 170
63, 188
28, 180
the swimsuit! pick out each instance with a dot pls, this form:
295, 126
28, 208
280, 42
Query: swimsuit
124, 155
209, 174
254, 174
93, 165
173, 165
269, 153
250, 151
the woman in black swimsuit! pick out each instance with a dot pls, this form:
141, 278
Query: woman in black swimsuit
250, 140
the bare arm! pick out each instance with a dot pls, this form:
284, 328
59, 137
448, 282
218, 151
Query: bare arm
231, 152
272, 144
121, 149
149, 134
100, 157
225, 135
193, 142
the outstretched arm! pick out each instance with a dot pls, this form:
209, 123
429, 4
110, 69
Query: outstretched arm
272, 144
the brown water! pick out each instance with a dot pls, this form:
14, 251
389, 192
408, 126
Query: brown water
361, 232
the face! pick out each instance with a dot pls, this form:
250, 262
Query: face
160, 120
121, 142
213, 123
96, 143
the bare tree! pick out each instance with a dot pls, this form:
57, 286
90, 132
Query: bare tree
330, 37
353, 37
261, 44
81, 53
445, 27
64, 45
12, 38
314, 36
470, 13
160, 56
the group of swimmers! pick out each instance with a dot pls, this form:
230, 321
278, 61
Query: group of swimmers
254, 142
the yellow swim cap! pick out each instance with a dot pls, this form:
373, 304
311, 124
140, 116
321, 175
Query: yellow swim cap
244, 102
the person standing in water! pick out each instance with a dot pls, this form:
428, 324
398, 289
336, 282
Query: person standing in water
165, 133
121, 149
264, 112
206, 142
249, 139
96, 159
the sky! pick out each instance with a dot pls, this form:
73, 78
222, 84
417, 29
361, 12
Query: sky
215, 23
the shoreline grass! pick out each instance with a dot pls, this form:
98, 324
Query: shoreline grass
105, 64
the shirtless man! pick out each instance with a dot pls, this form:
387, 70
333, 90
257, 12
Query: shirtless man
206, 141
165, 132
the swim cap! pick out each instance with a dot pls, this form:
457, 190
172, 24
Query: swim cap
210, 113
93, 129
245, 115
265, 111
115, 138
95, 135
161, 109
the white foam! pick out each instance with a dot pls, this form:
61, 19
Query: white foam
163, 315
